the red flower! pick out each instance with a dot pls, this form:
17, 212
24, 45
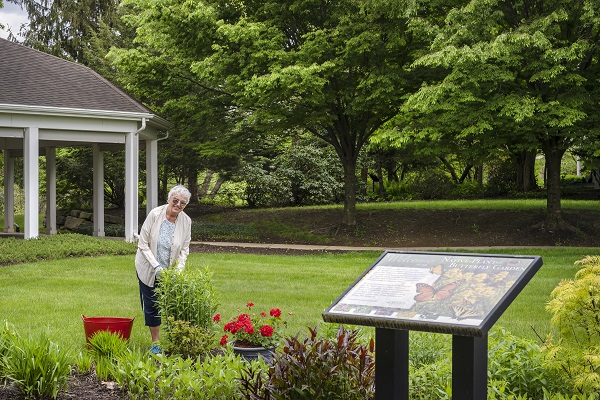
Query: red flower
275, 312
266, 330
233, 327
244, 317
254, 329
223, 341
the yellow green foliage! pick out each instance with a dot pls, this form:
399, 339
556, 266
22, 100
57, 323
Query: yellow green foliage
575, 306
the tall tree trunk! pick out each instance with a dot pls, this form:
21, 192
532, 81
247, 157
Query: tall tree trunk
215, 188
391, 167
450, 169
202, 192
382, 194
364, 176
529, 182
349, 217
347, 144
465, 173
164, 181
192, 179
554, 149
479, 175
526, 170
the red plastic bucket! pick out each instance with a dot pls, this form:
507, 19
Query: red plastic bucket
118, 325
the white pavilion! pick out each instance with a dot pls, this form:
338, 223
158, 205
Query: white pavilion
47, 103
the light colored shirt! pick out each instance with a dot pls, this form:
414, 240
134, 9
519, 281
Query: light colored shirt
165, 240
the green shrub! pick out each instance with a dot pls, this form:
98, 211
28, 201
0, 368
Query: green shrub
516, 368
431, 381
105, 348
53, 247
114, 230
558, 396
398, 191
502, 178
467, 190
37, 366
571, 179
163, 377
264, 189
315, 368
313, 172
187, 296
303, 174
519, 363
8, 336
532, 194
575, 306
187, 340
428, 348
136, 373
431, 184
87, 228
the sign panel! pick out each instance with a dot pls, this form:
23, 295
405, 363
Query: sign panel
455, 293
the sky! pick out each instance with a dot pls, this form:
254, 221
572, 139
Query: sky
11, 16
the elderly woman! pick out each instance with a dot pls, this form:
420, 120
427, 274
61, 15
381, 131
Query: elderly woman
164, 242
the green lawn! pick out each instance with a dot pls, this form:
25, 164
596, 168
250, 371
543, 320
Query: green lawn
50, 296
478, 204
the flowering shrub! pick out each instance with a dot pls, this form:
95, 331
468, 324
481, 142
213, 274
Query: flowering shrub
253, 330
315, 368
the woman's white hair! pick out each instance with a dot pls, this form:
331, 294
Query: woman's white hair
181, 190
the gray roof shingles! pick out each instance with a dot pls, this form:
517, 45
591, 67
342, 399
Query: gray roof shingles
32, 78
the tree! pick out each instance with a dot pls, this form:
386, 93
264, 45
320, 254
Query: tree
523, 68
304, 173
66, 28
75, 182
80, 31
335, 69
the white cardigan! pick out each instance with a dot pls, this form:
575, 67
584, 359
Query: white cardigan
145, 258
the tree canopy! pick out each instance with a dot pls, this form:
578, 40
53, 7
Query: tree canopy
523, 73
446, 81
336, 69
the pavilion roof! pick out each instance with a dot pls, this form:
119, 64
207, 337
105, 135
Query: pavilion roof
30, 77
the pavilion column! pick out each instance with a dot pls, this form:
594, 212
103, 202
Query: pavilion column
98, 171
31, 154
151, 175
9, 192
51, 228
131, 186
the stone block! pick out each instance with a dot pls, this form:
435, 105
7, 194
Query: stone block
72, 222
113, 219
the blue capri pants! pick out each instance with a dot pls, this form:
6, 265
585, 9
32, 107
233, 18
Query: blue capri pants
149, 299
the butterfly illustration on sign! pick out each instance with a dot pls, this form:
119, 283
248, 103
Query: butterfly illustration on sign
460, 313
428, 292
437, 270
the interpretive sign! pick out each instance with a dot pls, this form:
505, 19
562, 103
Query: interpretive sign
454, 293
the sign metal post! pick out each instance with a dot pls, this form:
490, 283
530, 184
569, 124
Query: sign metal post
391, 369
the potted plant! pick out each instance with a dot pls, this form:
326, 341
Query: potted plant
253, 334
